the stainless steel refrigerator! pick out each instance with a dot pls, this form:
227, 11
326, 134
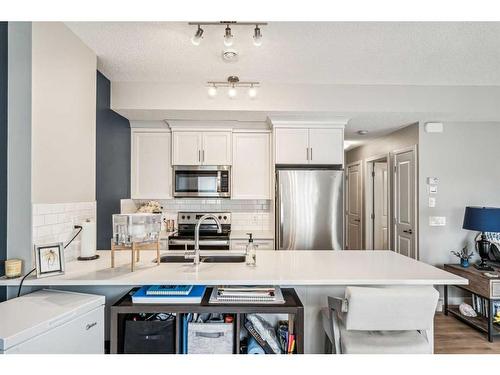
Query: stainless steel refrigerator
309, 208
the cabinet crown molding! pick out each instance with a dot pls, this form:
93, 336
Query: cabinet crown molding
304, 123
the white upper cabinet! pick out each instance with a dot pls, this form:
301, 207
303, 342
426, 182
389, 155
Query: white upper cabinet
301, 142
216, 148
291, 146
251, 172
186, 147
201, 148
150, 165
326, 146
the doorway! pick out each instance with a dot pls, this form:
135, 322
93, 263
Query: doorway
354, 206
378, 203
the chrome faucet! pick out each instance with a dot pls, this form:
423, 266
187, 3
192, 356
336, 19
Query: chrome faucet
196, 255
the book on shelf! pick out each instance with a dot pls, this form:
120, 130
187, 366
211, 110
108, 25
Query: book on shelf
263, 343
169, 290
247, 295
194, 296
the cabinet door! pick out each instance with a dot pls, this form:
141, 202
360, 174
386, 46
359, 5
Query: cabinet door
216, 148
186, 148
251, 170
326, 146
291, 146
150, 165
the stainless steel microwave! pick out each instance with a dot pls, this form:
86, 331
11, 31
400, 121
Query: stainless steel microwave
202, 181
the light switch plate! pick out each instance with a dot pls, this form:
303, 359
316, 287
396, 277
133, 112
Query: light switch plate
432, 201
437, 221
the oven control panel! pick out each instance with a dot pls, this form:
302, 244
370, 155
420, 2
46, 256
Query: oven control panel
193, 217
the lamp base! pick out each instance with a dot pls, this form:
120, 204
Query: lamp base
483, 266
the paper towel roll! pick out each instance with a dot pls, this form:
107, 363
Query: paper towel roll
88, 243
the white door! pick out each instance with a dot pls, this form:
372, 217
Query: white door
353, 209
251, 166
291, 146
380, 206
186, 148
216, 148
150, 165
326, 146
405, 199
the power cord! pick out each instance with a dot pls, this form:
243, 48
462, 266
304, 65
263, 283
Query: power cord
80, 228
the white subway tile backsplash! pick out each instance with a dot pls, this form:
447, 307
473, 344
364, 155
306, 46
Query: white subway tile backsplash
55, 223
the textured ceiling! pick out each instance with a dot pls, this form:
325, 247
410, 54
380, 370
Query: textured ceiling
301, 52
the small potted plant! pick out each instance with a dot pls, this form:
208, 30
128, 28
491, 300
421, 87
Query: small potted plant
464, 256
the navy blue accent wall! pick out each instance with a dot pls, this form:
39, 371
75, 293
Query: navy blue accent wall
3, 151
112, 162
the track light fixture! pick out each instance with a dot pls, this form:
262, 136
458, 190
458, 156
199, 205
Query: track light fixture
233, 82
257, 36
228, 37
197, 37
228, 34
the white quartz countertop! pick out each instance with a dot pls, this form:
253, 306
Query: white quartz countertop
349, 267
256, 234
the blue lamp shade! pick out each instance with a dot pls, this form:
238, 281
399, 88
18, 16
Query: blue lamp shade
482, 219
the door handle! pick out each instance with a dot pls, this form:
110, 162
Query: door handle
311, 153
358, 220
199, 156
307, 153
203, 156
409, 231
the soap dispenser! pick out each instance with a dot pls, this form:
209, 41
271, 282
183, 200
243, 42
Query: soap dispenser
251, 254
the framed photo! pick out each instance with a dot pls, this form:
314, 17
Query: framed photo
49, 259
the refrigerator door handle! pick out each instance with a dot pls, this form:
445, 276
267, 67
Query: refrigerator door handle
278, 213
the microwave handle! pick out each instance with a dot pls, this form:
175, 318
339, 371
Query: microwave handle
219, 181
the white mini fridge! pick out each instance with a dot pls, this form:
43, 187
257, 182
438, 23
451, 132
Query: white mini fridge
52, 321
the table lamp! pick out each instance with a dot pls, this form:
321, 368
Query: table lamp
482, 219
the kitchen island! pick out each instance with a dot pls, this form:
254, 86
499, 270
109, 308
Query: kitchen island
314, 275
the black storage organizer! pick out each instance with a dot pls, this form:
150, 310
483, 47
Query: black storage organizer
149, 336
122, 310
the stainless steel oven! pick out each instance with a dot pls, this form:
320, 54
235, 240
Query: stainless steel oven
202, 181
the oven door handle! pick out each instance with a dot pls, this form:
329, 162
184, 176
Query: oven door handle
219, 173
202, 242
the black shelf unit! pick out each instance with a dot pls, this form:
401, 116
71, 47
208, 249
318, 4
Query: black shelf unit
292, 306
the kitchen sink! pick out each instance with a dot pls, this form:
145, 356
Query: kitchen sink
204, 259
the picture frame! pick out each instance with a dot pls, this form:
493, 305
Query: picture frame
49, 259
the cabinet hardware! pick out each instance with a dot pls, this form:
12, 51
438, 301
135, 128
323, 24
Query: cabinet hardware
203, 156
311, 153
199, 156
409, 231
307, 153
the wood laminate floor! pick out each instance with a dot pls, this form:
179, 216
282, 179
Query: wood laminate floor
454, 337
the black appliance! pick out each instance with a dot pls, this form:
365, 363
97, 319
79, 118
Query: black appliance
210, 239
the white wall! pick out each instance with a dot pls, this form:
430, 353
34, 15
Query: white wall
465, 158
63, 116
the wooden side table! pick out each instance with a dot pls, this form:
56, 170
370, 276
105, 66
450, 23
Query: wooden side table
482, 286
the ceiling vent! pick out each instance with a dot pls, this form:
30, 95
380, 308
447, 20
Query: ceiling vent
230, 55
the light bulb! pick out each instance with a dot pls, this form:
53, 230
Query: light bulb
212, 91
197, 37
252, 92
228, 37
257, 37
232, 92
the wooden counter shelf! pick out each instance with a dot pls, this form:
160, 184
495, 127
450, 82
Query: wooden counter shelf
292, 306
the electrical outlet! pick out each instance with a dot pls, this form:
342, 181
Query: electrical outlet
437, 221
